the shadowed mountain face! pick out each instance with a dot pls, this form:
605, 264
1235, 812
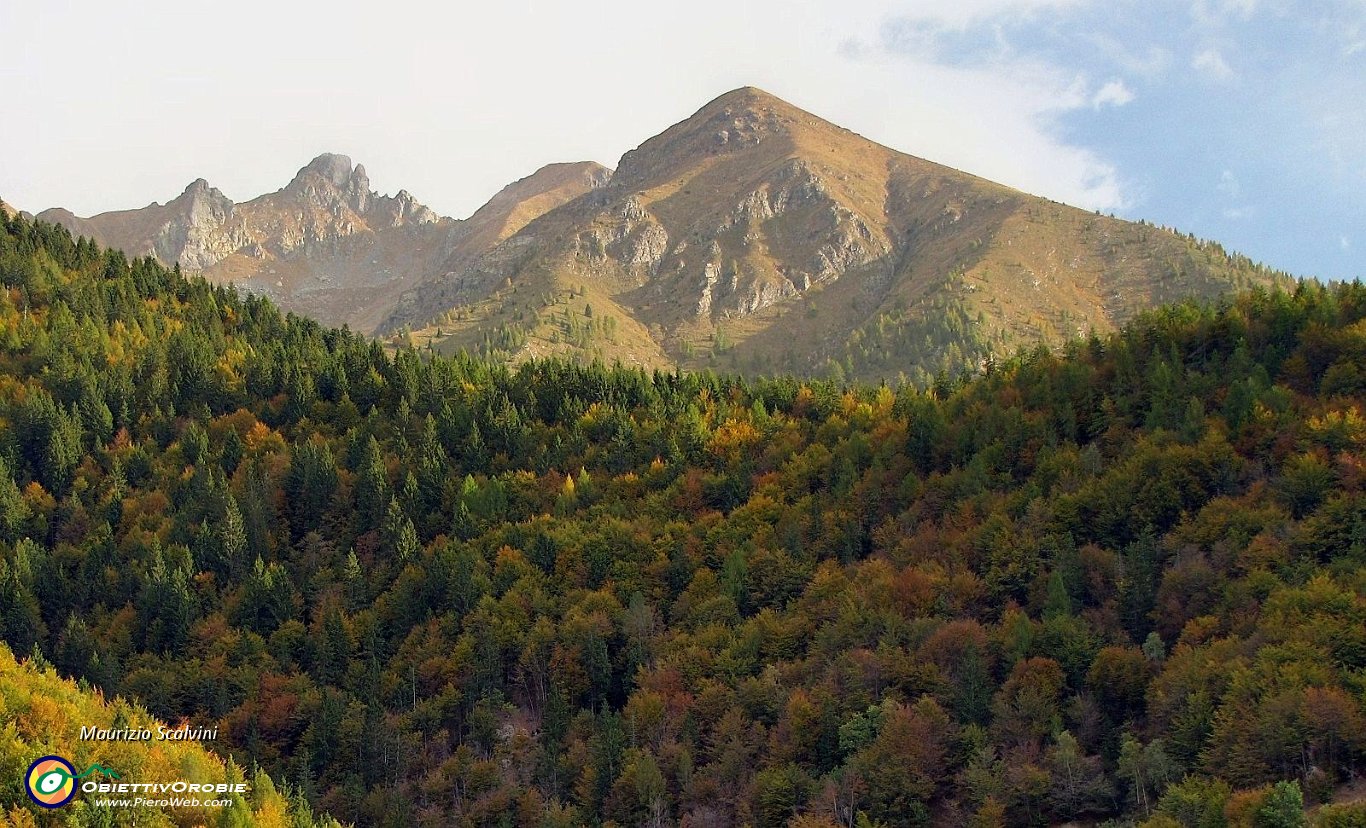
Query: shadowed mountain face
757, 237
752, 236
325, 245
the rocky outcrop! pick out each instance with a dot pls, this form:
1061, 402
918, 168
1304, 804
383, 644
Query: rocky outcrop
328, 200
195, 233
630, 233
645, 249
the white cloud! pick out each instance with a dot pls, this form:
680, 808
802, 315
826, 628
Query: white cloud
938, 114
965, 12
1114, 93
1229, 184
1339, 132
1218, 12
1345, 243
1349, 31
1212, 63
1149, 62
1017, 143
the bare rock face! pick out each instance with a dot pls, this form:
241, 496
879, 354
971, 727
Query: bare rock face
194, 235
646, 247
402, 210
752, 256
328, 182
336, 169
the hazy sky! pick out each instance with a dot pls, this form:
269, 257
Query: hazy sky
1239, 120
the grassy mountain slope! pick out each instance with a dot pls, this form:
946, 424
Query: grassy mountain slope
522, 201
758, 237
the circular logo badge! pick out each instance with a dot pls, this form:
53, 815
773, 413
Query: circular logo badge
51, 781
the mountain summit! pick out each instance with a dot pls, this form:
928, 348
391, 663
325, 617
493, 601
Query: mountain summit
756, 236
741, 119
336, 169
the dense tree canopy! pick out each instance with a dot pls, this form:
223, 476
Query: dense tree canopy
1123, 582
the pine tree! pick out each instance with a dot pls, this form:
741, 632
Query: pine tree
399, 538
309, 486
372, 488
14, 512
353, 577
233, 539
21, 623
51, 438
334, 649
432, 464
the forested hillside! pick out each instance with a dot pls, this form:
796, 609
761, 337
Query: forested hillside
1123, 582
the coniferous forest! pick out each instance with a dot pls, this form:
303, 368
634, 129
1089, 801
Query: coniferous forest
1123, 582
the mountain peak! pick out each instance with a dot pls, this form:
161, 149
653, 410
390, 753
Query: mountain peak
201, 204
738, 121
331, 179
197, 188
332, 167
750, 103
748, 96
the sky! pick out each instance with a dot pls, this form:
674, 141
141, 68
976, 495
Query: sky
1242, 121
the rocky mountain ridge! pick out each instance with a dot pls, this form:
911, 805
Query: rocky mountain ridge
325, 244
